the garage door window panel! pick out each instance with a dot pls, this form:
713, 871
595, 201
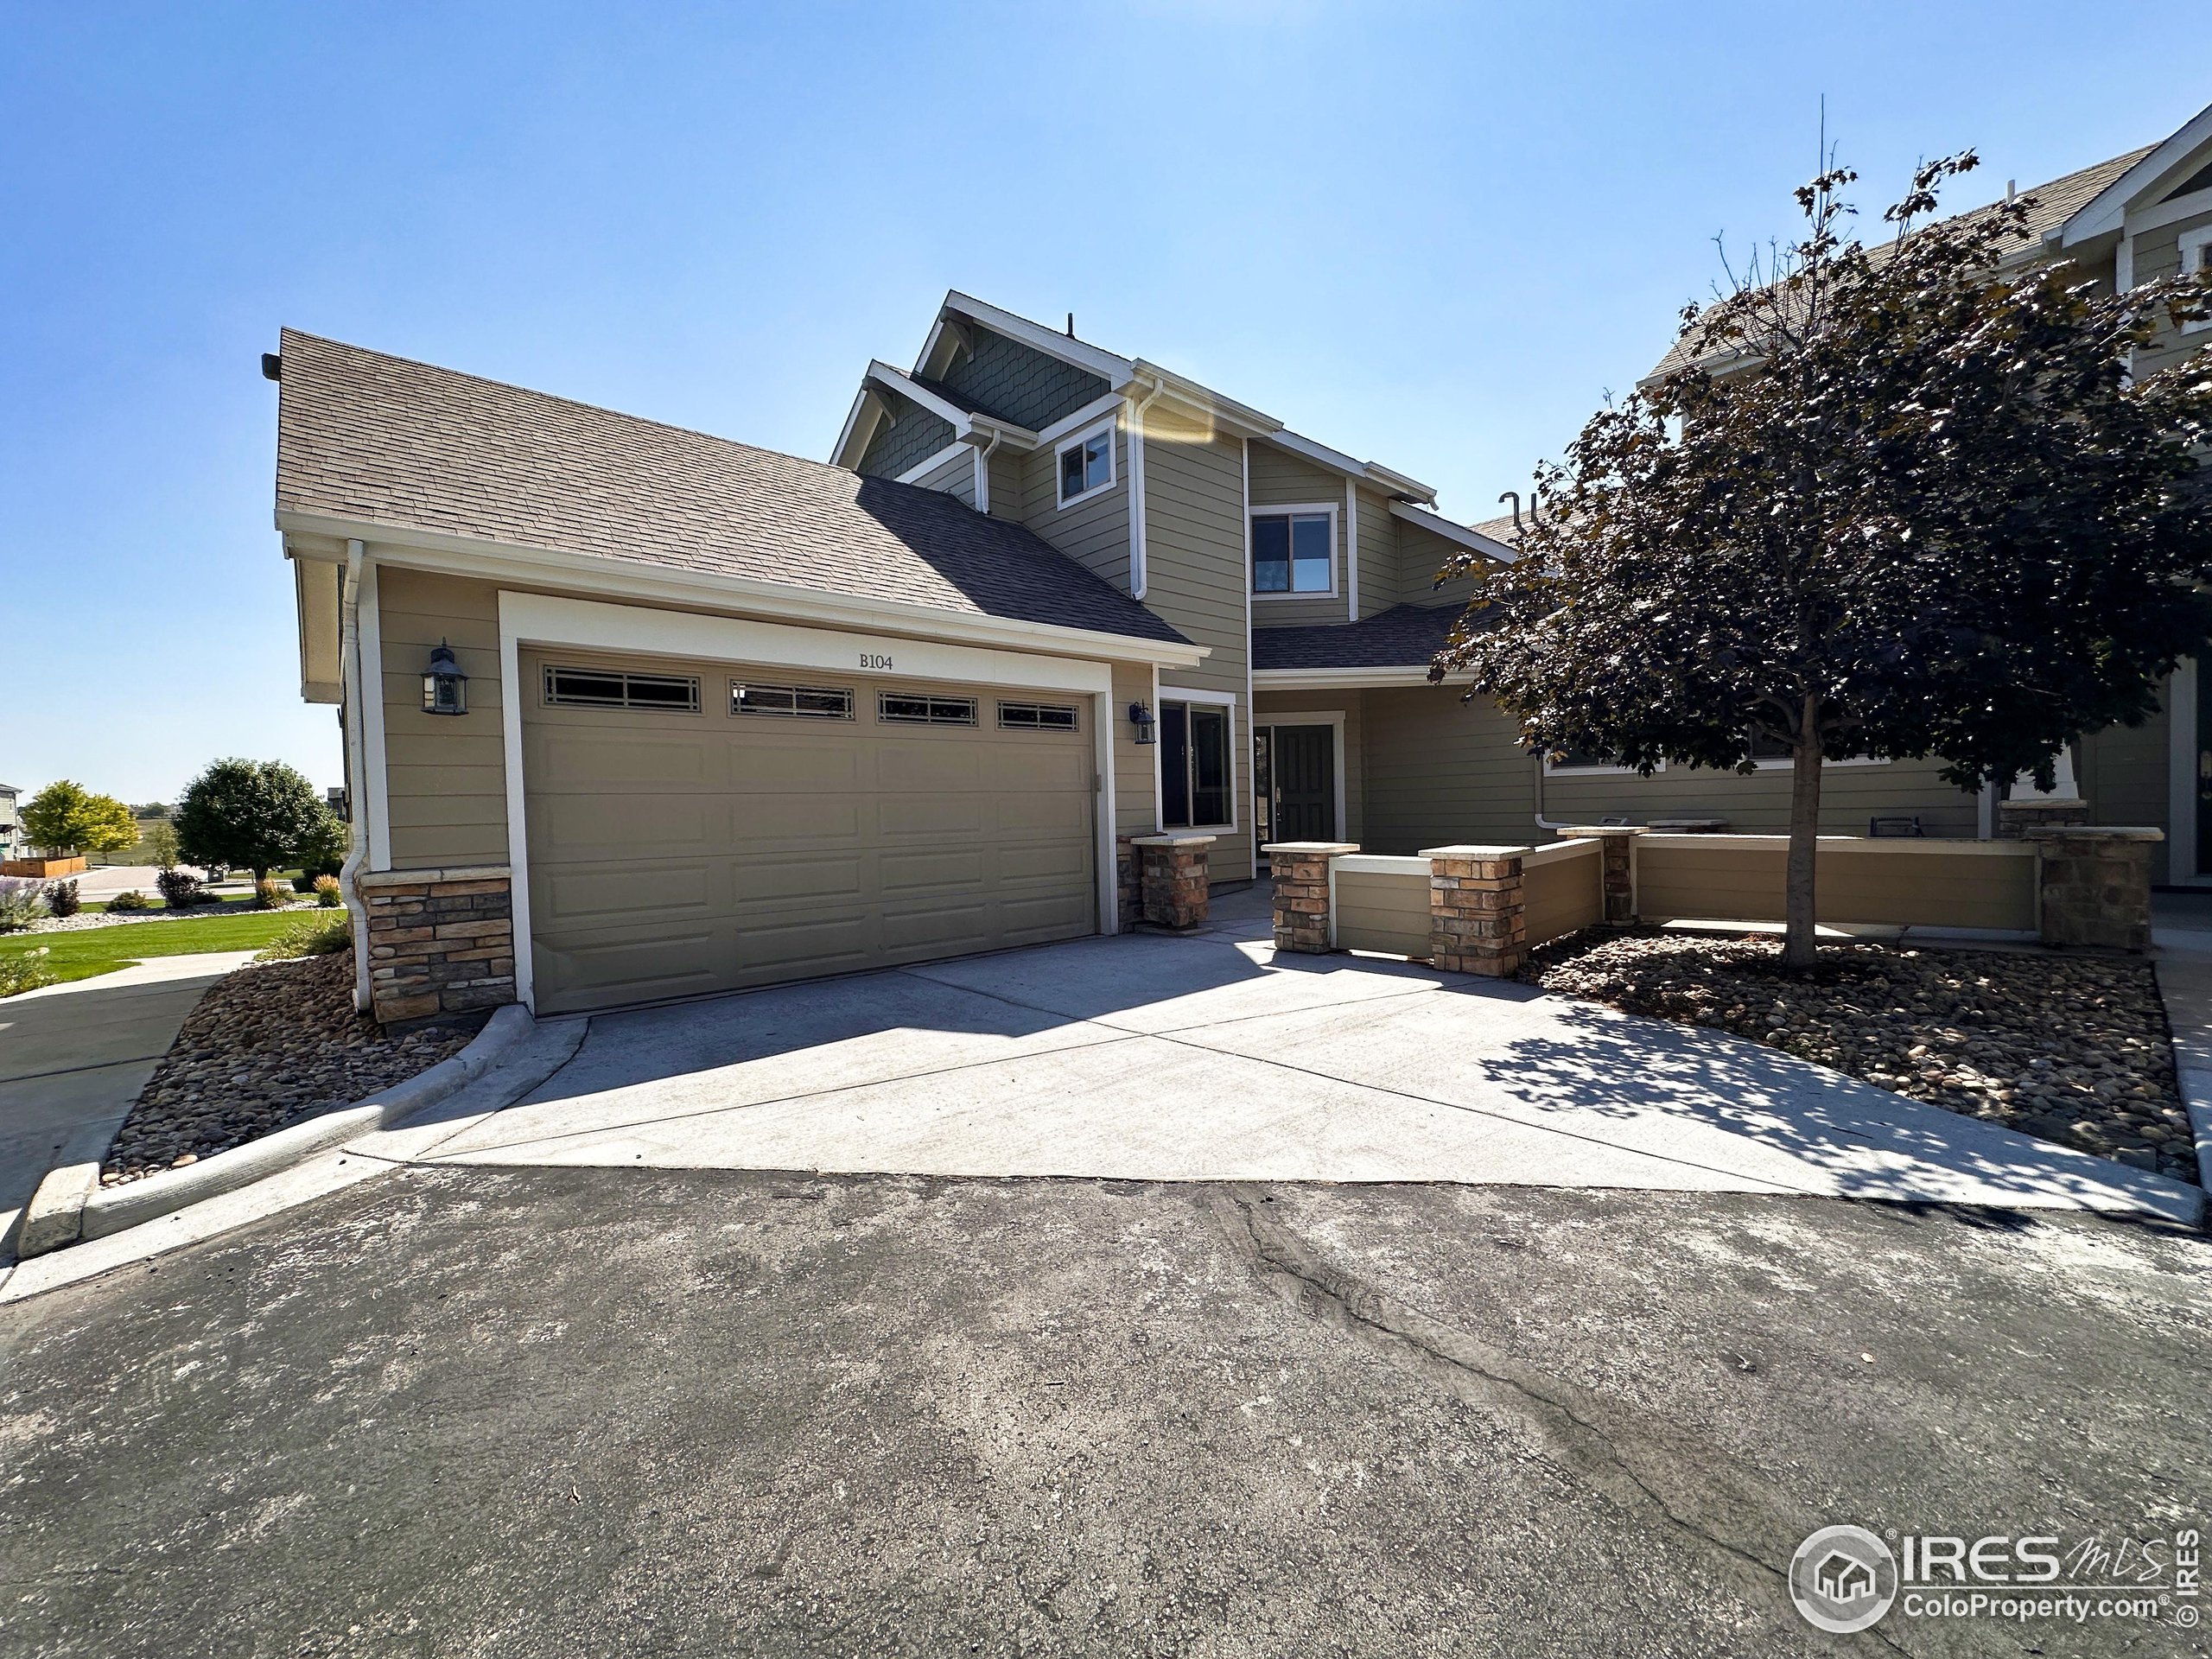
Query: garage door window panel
921, 709
597, 688
790, 702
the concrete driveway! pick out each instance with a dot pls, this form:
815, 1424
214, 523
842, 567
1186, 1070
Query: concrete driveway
1209, 1058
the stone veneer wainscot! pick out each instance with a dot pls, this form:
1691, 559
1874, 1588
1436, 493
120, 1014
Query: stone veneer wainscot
440, 941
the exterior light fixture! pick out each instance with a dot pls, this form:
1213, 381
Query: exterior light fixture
1141, 717
445, 688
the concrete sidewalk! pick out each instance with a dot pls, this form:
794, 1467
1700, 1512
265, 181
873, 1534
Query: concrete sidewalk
2181, 931
73, 1057
1210, 1058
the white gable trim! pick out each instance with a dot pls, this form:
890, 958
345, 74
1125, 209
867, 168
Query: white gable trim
2106, 211
1116, 370
1473, 540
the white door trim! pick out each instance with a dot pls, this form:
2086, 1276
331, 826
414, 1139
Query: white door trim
2181, 775
370, 620
538, 619
1331, 717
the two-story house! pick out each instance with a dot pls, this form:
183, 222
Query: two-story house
633, 712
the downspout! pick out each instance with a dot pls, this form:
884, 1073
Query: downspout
1137, 583
983, 470
1543, 822
356, 794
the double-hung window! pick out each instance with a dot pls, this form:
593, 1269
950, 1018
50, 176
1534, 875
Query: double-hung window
1194, 769
1293, 551
1086, 463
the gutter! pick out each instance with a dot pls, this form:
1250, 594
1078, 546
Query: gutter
636, 583
1138, 584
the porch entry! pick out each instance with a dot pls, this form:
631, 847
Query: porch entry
1295, 783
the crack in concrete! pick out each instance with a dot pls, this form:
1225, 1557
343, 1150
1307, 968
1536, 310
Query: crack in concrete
1689, 1483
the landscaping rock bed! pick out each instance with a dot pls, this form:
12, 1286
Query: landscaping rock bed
269, 1046
2070, 1049
88, 919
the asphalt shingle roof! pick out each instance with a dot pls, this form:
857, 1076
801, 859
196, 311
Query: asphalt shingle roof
1405, 636
366, 436
2053, 205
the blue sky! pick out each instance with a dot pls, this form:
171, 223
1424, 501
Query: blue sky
1431, 235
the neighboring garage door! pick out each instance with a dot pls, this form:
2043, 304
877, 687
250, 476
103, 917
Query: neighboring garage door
698, 827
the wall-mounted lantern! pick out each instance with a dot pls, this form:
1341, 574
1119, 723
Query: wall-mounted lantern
445, 688
1141, 717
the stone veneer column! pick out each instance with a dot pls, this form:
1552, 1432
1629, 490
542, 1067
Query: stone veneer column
1618, 859
2097, 883
2022, 815
1475, 919
440, 941
1174, 878
1128, 883
1300, 869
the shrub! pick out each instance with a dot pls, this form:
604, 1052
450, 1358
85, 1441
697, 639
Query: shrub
181, 889
269, 894
311, 936
133, 899
327, 893
23, 901
26, 972
62, 898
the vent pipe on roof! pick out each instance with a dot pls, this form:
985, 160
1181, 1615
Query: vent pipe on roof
1514, 496
2012, 190
1070, 325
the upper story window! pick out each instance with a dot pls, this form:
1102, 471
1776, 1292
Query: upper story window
2196, 256
1294, 551
1087, 463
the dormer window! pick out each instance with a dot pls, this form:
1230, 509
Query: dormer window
1087, 463
1293, 551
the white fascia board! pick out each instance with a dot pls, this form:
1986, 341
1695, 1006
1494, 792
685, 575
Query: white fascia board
1116, 370
922, 469
853, 436
642, 584
1097, 409
1473, 540
882, 374
966, 425
2108, 209
1325, 679
1242, 416
1337, 461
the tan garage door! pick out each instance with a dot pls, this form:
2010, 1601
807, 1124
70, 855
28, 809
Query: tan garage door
694, 827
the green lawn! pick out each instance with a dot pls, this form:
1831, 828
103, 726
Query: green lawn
91, 950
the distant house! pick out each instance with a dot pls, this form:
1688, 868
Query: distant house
10, 837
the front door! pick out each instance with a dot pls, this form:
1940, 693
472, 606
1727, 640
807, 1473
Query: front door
1303, 759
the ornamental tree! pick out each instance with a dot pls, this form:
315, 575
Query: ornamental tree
67, 817
247, 814
1896, 501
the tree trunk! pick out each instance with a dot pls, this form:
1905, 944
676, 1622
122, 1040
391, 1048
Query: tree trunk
1800, 941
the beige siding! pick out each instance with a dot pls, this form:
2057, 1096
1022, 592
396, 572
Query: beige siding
1378, 552
1287, 709
1421, 554
956, 477
1194, 564
1279, 479
1438, 771
1894, 883
1563, 894
1135, 811
1007, 489
1759, 803
1382, 910
446, 776
1095, 532
2158, 254
2123, 773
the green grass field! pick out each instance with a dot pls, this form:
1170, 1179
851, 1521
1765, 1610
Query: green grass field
92, 950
